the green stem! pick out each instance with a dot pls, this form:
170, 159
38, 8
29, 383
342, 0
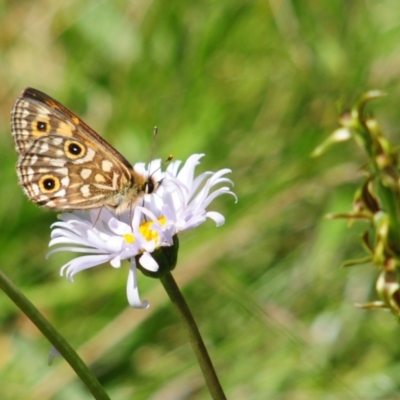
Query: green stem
196, 341
389, 201
54, 337
371, 139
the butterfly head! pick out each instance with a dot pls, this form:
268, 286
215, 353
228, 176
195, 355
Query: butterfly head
151, 185
132, 193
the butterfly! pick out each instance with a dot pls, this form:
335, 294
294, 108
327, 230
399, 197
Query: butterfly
63, 164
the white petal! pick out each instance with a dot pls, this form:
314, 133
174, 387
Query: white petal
155, 165
132, 291
215, 194
173, 167
75, 250
186, 174
217, 217
115, 243
148, 262
116, 261
80, 263
147, 212
178, 189
68, 240
193, 222
118, 227
199, 180
168, 210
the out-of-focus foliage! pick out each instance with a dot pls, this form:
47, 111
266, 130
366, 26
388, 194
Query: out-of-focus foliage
256, 86
376, 201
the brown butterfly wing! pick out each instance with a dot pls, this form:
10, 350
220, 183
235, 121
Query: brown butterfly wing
63, 163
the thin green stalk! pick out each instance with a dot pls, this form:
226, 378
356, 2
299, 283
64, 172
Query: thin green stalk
195, 338
54, 338
390, 204
371, 139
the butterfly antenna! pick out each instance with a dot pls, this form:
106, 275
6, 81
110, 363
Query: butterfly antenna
153, 145
166, 161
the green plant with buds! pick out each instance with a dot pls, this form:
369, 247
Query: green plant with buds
377, 200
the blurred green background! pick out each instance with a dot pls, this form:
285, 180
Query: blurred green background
256, 86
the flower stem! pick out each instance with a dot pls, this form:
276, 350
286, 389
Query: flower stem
54, 337
195, 338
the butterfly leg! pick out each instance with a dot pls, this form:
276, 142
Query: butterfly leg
98, 216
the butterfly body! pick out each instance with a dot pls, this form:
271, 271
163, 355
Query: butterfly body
64, 165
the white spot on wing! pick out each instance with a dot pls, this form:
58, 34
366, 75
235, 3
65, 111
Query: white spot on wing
65, 181
99, 178
44, 148
61, 171
60, 193
103, 187
55, 162
85, 173
85, 190
115, 180
106, 165
30, 172
35, 189
42, 110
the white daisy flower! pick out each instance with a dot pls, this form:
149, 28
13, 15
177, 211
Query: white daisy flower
179, 204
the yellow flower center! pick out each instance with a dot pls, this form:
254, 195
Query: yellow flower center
129, 238
146, 231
